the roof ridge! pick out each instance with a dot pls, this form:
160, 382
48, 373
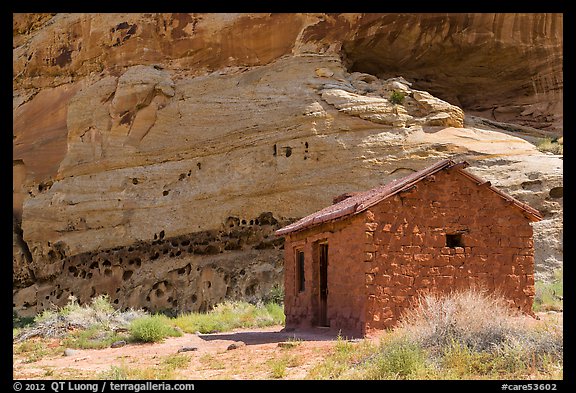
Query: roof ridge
363, 200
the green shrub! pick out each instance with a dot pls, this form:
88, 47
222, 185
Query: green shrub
550, 145
276, 295
92, 338
396, 360
549, 295
153, 328
230, 315
397, 97
462, 335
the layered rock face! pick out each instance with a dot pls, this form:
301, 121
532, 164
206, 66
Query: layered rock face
154, 155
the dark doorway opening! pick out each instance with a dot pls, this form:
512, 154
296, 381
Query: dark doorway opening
323, 264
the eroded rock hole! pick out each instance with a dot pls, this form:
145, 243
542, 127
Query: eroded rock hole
174, 243
94, 265
251, 289
72, 269
165, 192
159, 292
288, 151
155, 256
134, 181
199, 165
194, 298
115, 301
556, 192
107, 263
162, 234
185, 243
108, 272
127, 274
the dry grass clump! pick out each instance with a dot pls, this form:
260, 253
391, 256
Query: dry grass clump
476, 319
98, 314
463, 335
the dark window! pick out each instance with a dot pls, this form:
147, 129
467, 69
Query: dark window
300, 271
454, 240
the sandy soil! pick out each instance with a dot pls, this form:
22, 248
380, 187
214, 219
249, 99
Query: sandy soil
211, 360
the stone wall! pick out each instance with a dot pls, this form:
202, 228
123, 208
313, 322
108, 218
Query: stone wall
382, 260
346, 298
191, 272
411, 256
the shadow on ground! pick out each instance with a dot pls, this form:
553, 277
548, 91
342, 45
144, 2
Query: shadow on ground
268, 337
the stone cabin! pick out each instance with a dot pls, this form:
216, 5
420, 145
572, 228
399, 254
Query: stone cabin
356, 265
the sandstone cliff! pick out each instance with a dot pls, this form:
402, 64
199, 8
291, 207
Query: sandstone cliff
155, 154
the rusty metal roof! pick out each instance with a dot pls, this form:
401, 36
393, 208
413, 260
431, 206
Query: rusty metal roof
361, 201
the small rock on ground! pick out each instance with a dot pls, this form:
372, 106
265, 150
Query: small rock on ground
187, 349
118, 344
236, 345
70, 352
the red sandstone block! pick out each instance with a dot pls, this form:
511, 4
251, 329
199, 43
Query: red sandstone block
387, 227
445, 250
410, 249
418, 239
371, 226
370, 248
384, 279
369, 216
368, 237
423, 282
459, 250
420, 258
443, 281
402, 280
369, 278
504, 242
458, 259
529, 290
513, 280
432, 271
368, 256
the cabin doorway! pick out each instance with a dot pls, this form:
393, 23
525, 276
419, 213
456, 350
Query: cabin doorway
323, 285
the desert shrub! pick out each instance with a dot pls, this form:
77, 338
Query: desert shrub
474, 318
275, 295
399, 359
461, 335
92, 338
154, 328
397, 97
549, 294
230, 315
59, 323
550, 145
